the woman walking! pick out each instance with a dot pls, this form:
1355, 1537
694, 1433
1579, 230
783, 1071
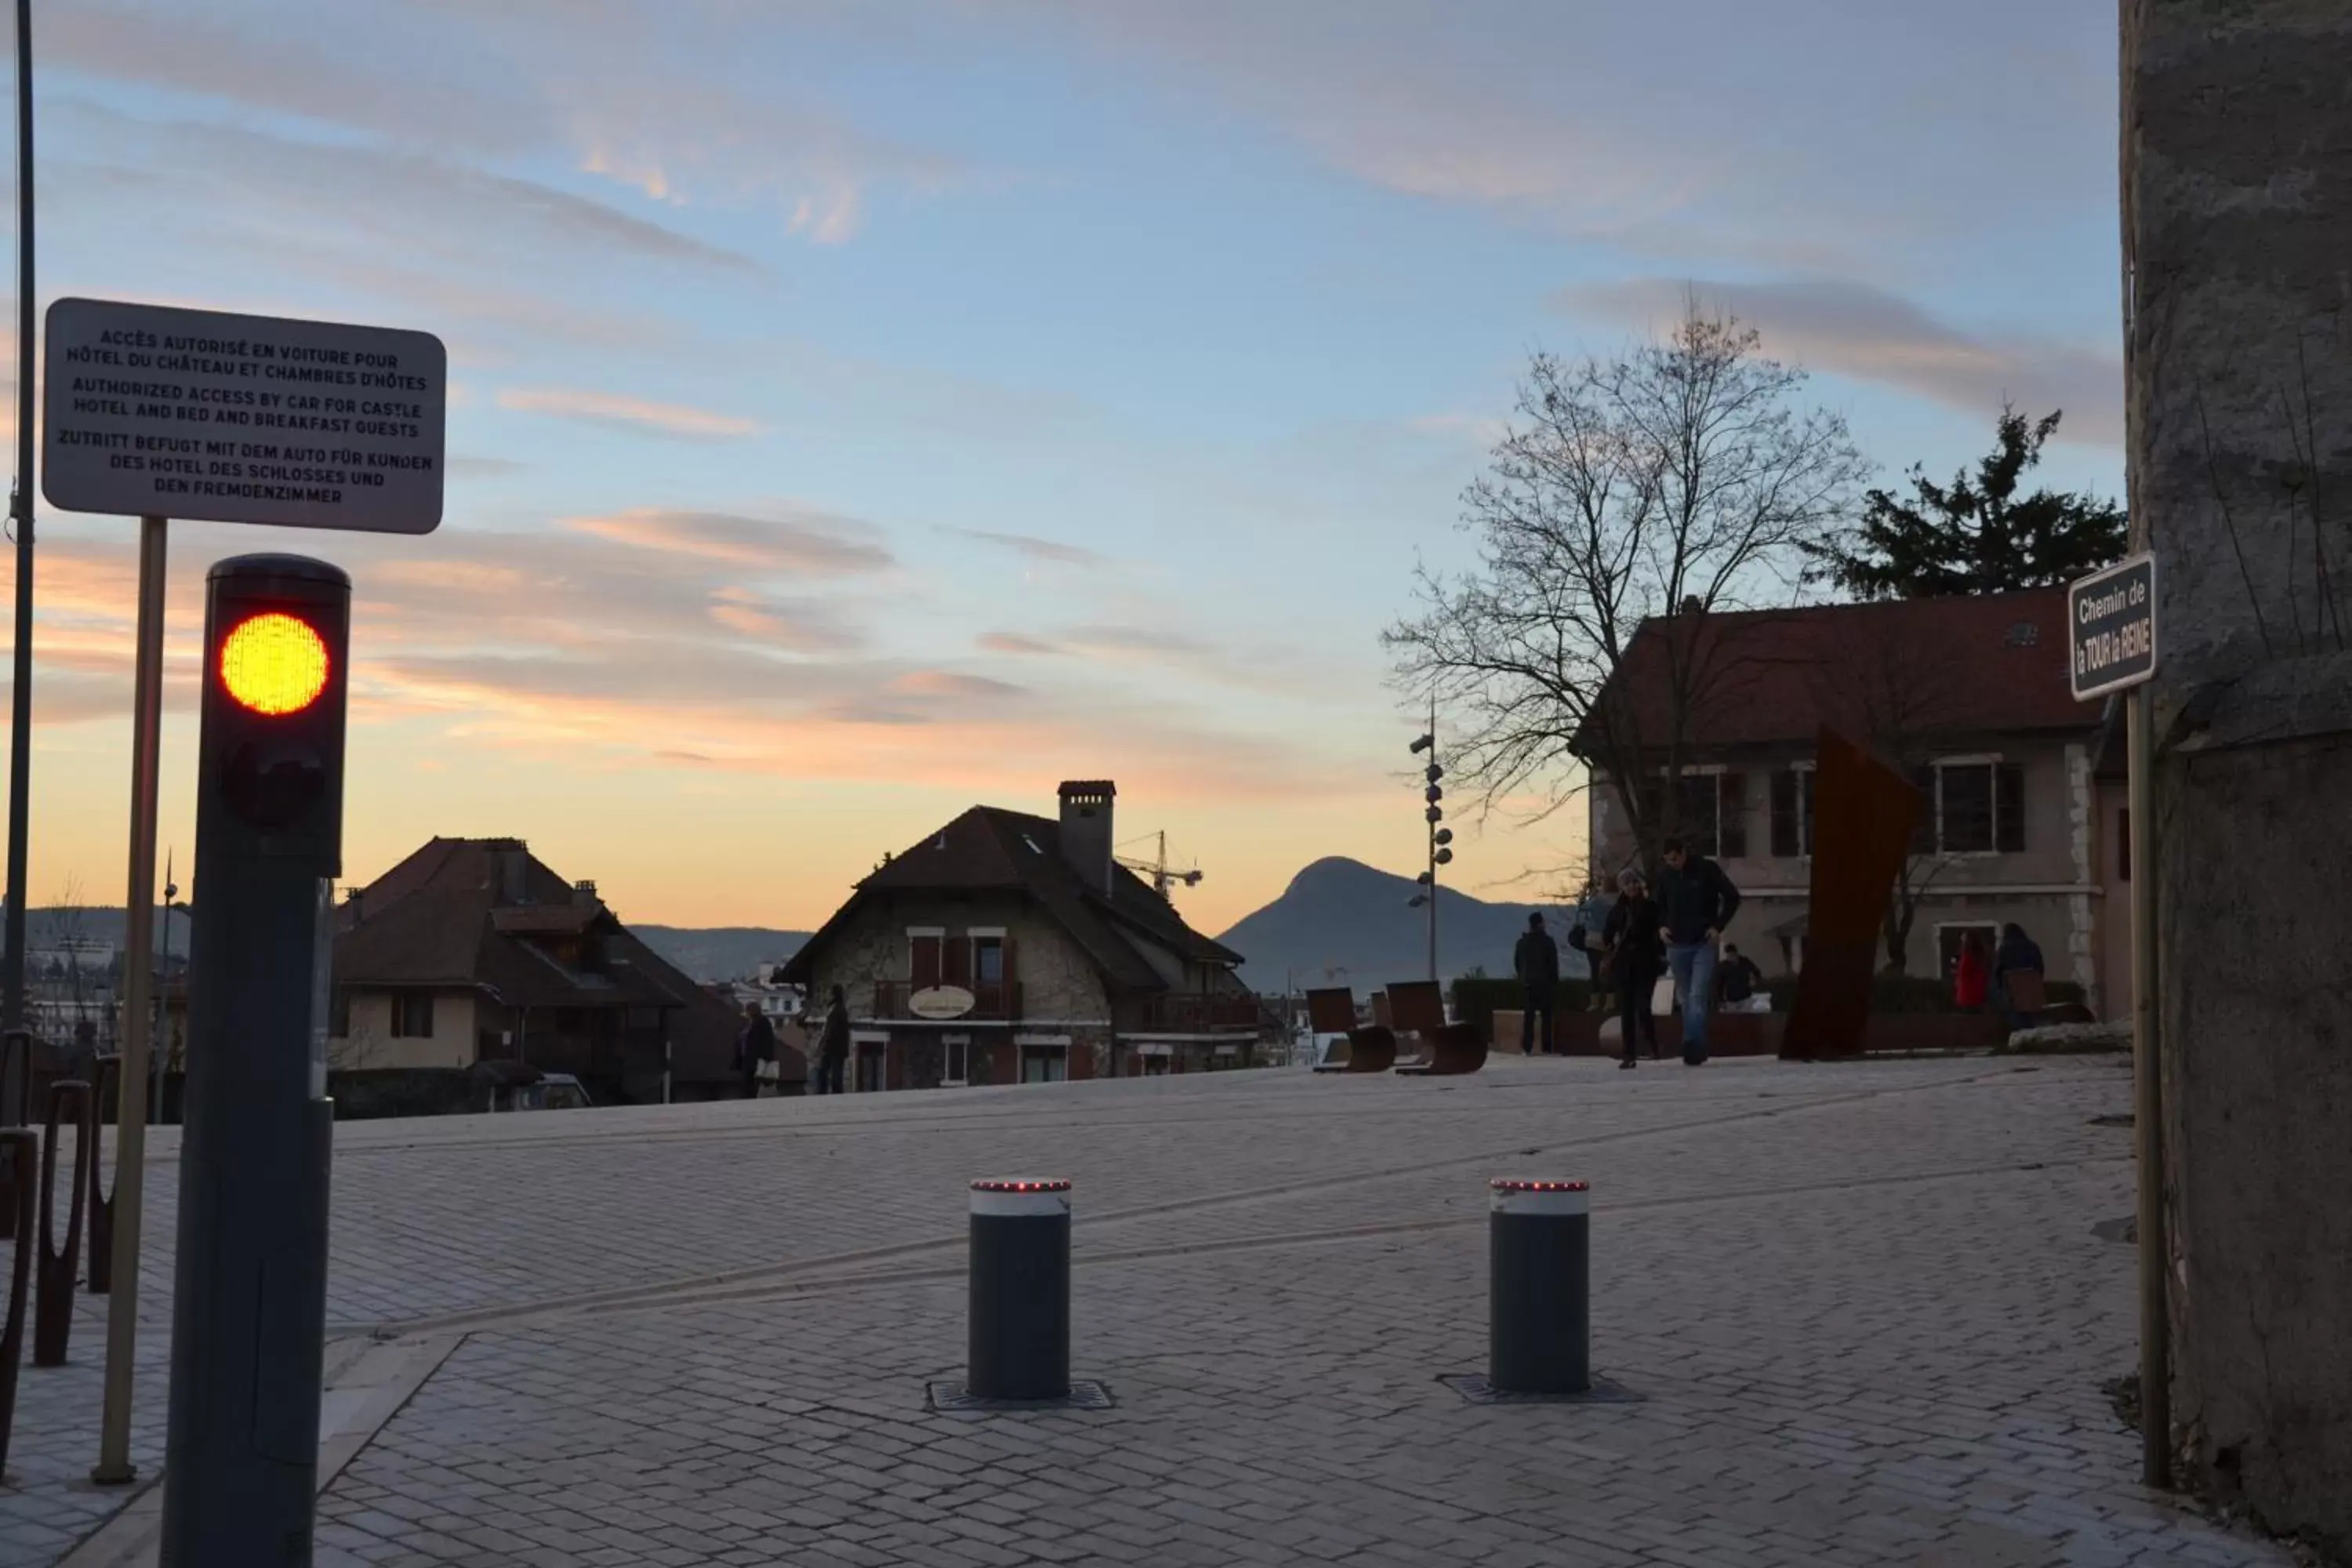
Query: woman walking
1634, 959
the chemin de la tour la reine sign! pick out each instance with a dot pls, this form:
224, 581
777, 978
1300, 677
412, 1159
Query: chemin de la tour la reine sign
2111, 627
152, 411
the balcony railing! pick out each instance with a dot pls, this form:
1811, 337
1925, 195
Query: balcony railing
1179, 1014
992, 999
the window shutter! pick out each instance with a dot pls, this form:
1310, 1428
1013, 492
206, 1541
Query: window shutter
926, 972
1731, 831
1924, 837
958, 970
1785, 843
1805, 792
2009, 808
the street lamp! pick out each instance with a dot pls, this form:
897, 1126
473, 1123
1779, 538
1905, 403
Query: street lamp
1439, 837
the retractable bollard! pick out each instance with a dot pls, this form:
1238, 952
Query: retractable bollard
1020, 1345
1539, 1330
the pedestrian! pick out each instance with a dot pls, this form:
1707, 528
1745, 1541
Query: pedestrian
1632, 959
832, 1045
1696, 902
1970, 974
1739, 982
1536, 963
2017, 956
755, 1046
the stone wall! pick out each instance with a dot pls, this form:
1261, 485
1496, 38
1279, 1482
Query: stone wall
2237, 196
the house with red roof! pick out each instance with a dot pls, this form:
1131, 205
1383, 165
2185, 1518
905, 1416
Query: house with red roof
1969, 696
1009, 948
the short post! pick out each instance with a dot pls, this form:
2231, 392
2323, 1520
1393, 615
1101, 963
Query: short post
1539, 1328
1020, 1345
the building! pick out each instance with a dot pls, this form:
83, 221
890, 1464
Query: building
1969, 696
473, 951
1008, 948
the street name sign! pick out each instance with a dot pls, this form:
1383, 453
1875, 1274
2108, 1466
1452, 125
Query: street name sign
2111, 627
152, 411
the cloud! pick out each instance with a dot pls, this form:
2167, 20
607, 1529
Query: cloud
948, 684
484, 467
628, 413
1037, 549
1129, 638
1014, 643
1865, 332
814, 545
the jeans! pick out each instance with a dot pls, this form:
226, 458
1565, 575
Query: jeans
1634, 1014
828, 1073
1534, 1037
1694, 968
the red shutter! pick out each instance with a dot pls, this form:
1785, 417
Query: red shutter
926, 972
959, 962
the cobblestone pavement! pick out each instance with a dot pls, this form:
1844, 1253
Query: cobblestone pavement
1862, 1307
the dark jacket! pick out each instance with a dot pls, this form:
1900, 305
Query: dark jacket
1696, 899
1536, 963
1632, 936
834, 1040
2018, 951
755, 1041
1738, 978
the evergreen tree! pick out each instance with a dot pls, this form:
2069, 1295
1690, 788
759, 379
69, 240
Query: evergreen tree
1974, 535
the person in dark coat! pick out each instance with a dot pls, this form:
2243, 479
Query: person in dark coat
1536, 963
1633, 958
2017, 954
755, 1043
1695, 903
833, 1044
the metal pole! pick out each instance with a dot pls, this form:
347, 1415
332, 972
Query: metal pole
2148, 1113
114, 1466
1433, 846
1538, 1269
20, 696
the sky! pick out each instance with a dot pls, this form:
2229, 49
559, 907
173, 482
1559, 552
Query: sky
860, 410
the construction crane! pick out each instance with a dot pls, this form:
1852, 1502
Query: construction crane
1156, 868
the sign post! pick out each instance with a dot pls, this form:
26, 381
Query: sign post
154, 411
2112, 646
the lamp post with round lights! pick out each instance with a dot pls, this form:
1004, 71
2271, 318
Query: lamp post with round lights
1441, 839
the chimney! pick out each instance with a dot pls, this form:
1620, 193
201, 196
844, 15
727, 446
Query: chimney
514, 872
583, 893
1086, 830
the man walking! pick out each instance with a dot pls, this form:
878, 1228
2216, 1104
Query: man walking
1536, 963
832, 1045
1696, 902
755, 1043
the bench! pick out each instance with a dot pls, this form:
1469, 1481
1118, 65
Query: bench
1418, 1007
1368, 1048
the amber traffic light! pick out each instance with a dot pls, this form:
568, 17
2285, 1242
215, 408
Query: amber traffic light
274, 663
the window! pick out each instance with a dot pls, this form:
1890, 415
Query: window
1792, 813
1045, 1064
955, 1066
1710, 813
412, 1015
924, 965
1980, 807
988, 960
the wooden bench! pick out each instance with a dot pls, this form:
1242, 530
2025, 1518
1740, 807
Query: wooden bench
1368, 1048
1418, 1007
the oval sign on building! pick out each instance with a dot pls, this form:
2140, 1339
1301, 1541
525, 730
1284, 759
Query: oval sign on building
941, 1002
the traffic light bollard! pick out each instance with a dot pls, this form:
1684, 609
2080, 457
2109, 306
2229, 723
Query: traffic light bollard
1020, 1290
1539, 1327
249, 1310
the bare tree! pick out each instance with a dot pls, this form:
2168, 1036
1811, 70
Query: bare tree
1634, 495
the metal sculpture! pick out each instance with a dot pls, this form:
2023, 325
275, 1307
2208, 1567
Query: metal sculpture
19, 1156
15, 1090
1863, 813
109, 1076
53, 1298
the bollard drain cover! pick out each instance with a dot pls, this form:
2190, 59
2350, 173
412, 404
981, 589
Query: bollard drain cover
1474, 1387
954, 1397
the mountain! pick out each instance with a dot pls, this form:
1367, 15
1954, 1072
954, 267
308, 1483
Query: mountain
719, 952
1342, 923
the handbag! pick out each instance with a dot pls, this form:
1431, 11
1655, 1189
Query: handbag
769, 1071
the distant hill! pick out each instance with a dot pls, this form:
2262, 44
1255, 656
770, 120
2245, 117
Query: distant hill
45, 927
1343, 922
719, 952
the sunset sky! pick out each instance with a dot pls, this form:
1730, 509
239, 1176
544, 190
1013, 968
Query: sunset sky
862, 409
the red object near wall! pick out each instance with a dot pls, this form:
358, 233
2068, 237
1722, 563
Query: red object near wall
1863, 813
